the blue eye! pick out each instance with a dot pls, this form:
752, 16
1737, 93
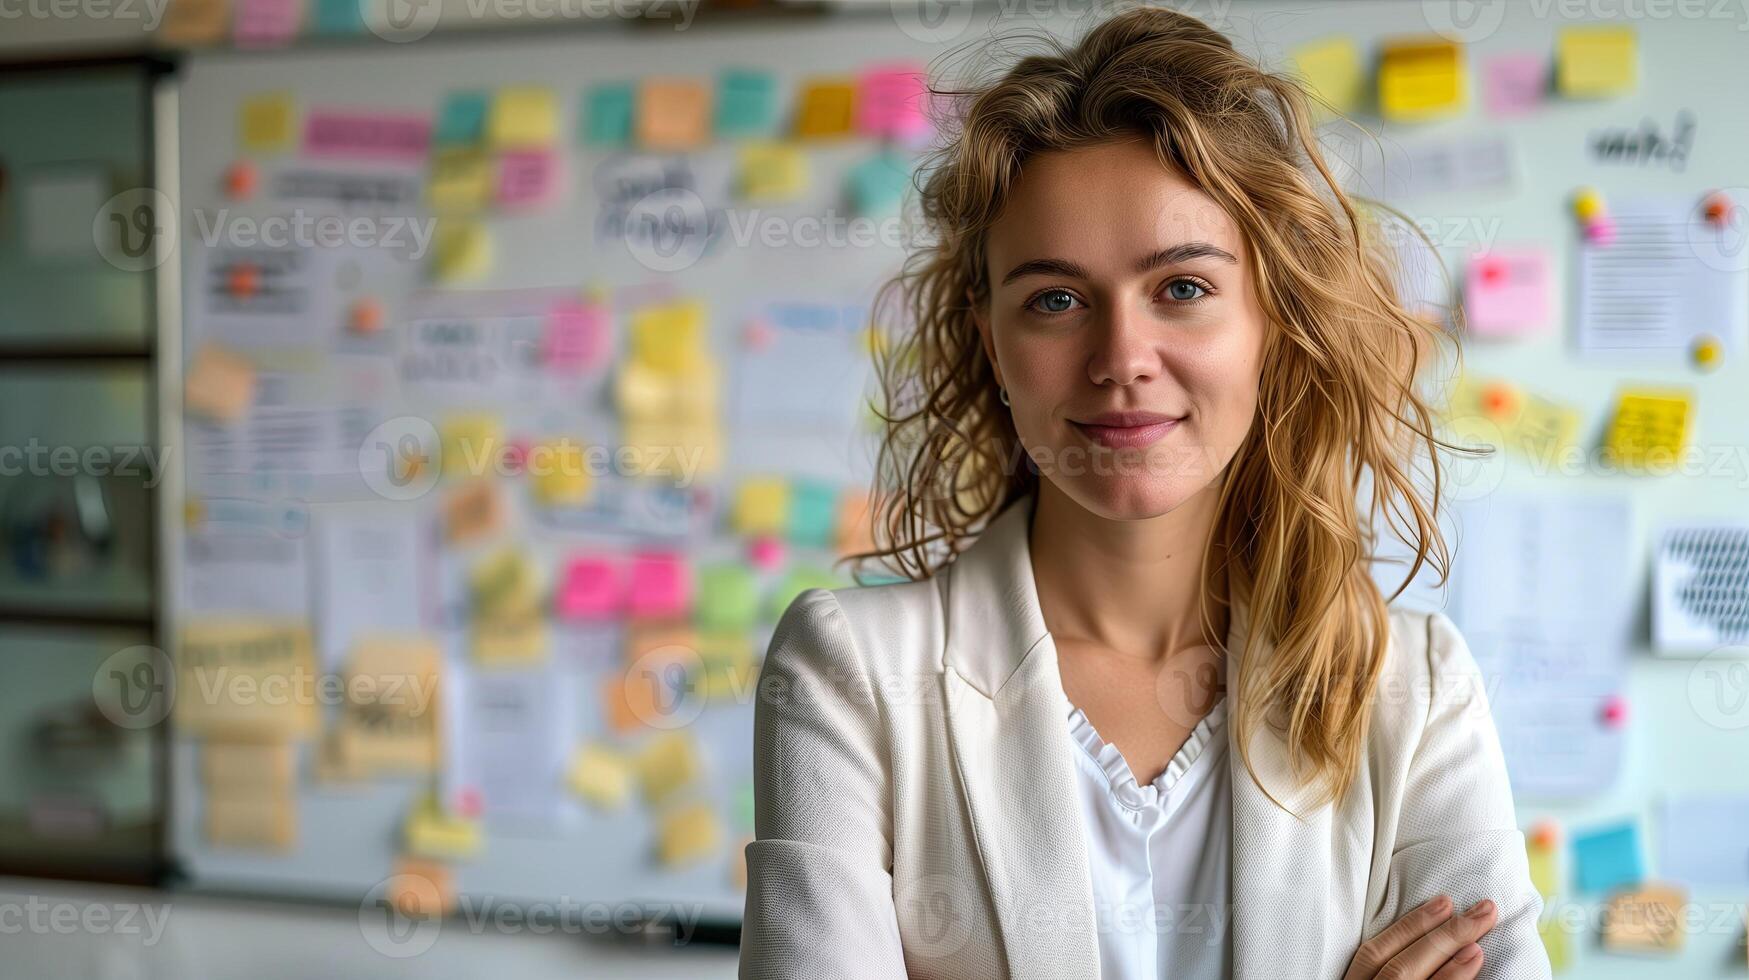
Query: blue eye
1053, 301
1185, 290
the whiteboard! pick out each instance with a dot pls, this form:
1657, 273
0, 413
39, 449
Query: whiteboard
1687, 63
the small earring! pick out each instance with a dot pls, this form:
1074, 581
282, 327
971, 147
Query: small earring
1002, 394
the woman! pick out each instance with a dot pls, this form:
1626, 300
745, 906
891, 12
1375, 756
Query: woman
1142, 711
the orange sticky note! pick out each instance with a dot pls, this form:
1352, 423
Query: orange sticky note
421, 889
220, 384
827, 109
673, 114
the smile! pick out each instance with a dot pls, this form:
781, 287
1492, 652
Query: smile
1126, 430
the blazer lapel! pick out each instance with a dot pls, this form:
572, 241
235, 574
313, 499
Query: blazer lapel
1281, 863
1006, 718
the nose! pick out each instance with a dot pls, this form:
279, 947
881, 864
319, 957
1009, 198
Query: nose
1124, 351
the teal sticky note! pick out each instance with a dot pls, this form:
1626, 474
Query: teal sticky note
463, 119
813, 513
607, 114
337, 17
878, 184
793, 584
1607, 858
744, 806
728, 599
746, 103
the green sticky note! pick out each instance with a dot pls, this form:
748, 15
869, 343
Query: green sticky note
463, 119
746, 103
728, 599
608, 113
337, 17
813, 513
877, 184
798, 580
744, 806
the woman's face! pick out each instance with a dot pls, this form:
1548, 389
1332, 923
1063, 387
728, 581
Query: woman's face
1123, 324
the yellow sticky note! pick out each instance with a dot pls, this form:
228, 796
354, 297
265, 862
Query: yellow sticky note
461, 181
240, 767
194, 22
219, 385
1596, 60
1333, 70
673, 114
432, 833
688, 833
462, 251
1650, 428
505, 587
826, 109
1649, 920
560, 473
388, 721
226, 667
1545, 872
729, 670
673, 449
267, 123
773, 171
253, 820
669, 338
1421, 79
643, 393
601, 776
522, 117
1555, 941
1530, 425
761, 506
470, 444
668, 764
518, 642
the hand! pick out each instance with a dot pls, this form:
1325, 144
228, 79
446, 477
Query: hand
1430, 943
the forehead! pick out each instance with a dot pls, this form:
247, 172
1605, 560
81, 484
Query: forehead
1111, 199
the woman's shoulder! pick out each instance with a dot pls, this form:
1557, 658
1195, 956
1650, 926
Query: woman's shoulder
875, 629
1429, 676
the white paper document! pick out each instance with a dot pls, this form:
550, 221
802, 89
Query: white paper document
1668, 277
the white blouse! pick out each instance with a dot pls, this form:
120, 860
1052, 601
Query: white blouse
1160, 854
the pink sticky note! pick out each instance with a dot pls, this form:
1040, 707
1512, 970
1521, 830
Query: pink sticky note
367, 135
1514, 84
661, 586
266, 23
891, 103
590, 590
527, 178
766, 553
1506, 292
576, 337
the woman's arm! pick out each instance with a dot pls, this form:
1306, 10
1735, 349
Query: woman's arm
1457, 834
819, 886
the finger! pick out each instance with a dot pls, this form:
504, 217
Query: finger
1463, 965
1398, 936
1428, 953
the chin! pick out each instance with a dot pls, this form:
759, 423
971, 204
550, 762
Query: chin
1128, 498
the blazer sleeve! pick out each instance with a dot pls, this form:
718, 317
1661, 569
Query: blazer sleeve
1457, 830
819, 881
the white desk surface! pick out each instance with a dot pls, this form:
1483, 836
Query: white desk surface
53, 930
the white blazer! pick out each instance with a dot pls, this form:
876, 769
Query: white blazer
915, 810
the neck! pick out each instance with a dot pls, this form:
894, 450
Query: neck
1133, 587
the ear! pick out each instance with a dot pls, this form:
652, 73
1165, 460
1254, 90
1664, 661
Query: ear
980, 316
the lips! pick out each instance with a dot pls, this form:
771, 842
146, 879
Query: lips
1126, 430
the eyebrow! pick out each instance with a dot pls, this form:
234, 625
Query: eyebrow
1182, 252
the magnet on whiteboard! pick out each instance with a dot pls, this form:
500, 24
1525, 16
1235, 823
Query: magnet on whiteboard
366, 316
1717, 208
1588, 204
1708, 353
244, 280
1600, 230
1615, 711
1545, 835
765, 552
241, 180
757, 335
1499, 399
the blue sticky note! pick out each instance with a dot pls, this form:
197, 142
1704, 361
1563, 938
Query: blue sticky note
813, 513
337, 17
746, 103
607, 119
878, 184
463, 119
1607, 859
